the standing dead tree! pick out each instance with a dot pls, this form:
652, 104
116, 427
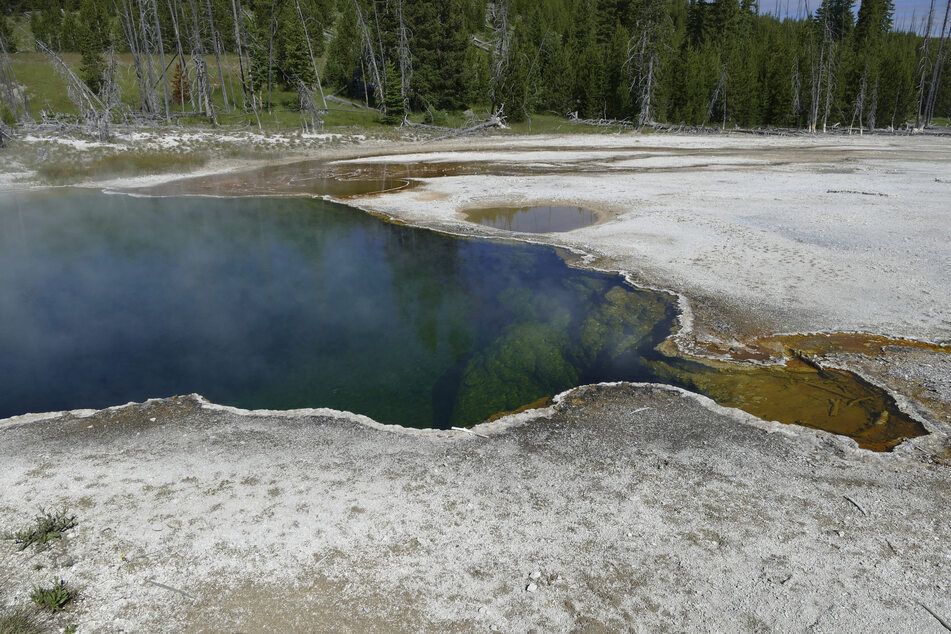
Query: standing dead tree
923, 60
148, 47
241, 46
831, 74
938, 67
183, 63
719, 95
137, 38
370, 52
161, 50
203, 84
644, 56
405, 53
821, 76
313, 60
858, 110
216, 45
498, 18
110, 93
795, 87
309, 111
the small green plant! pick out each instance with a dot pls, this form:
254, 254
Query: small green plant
7, 116
53, 599
436, 117
19, 620
49, 525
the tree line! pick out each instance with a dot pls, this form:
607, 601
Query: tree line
692, 62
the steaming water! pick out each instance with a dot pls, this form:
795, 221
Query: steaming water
283, 303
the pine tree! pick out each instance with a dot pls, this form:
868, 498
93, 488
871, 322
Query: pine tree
838, 15
343, 52
180, 90
453, 77
261, 56
587, 63
92, 41
393, 105
617, 96
874, 20
292, 56
422, 17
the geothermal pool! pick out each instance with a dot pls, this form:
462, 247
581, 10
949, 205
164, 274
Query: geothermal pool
281, 303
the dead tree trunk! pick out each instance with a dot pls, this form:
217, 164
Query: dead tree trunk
270, 56
817, 73
923, 60
938, 66
644, 53
183, 64
368, 43
201, 70
308, 107
859, 110
147, 50
796, 87
161, 48
721, 88
310, 49
405, 53
498, 18
131, 30
93, 111
644, 59
110, 93
216, 44
832, 56
240, 45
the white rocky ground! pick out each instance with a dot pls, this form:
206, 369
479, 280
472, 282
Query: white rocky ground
623, 508
778, 234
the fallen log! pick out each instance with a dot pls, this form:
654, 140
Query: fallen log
495, 121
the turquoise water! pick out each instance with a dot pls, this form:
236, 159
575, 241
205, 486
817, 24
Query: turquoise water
287, 303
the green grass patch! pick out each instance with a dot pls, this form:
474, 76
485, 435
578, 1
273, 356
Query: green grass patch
48, 526
52, 599
117, 165
552, 124
20, 620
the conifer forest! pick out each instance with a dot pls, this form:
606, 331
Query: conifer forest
718, 63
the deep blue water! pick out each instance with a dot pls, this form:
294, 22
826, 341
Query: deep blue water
286, 303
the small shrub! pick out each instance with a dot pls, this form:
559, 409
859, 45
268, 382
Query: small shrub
49, 525
53, 599
436, 117
7, 116
19, 620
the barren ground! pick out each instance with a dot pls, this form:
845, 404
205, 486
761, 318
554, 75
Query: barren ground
640, 508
